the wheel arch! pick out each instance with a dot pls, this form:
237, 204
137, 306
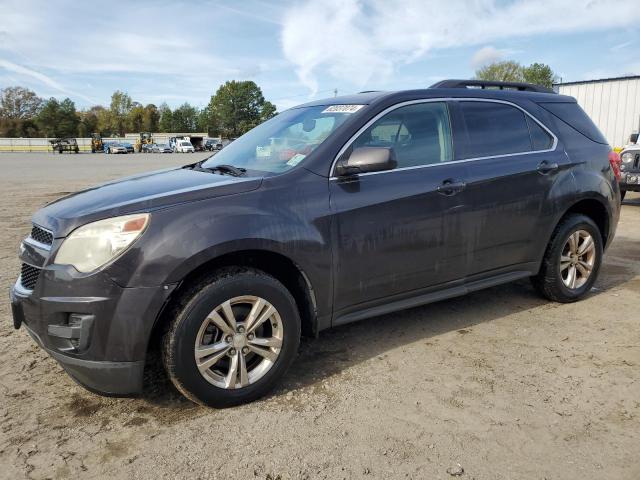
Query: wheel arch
284, 269
596, 209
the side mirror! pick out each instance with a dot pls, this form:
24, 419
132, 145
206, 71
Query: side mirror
633, 138
367, 159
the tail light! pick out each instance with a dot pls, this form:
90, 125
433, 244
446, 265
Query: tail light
614, 160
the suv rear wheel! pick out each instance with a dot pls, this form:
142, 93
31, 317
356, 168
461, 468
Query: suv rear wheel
232, 337
572, 260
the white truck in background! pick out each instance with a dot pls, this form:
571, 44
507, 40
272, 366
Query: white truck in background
630, 166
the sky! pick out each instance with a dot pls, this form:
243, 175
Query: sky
182, 51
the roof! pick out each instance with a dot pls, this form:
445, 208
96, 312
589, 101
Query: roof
611, 79
367, 98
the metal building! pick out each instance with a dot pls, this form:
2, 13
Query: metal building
612, 103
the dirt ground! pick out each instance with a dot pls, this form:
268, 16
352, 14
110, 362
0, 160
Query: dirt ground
501, 382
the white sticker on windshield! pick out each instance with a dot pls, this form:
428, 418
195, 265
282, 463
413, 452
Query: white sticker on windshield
342, 109
296, 159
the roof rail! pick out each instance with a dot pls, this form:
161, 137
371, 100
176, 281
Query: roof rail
487, 84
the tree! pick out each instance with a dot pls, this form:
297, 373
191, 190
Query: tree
135, 118
89, 121
58, 119
268, 111
507, 71
539, 74
237, 107
510, 71
17, 103
120, 107
48, 117
68, 119
151, 118
185, 118
165, 124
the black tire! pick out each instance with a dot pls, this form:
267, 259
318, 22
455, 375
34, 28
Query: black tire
188, 314
622, 194
549, 282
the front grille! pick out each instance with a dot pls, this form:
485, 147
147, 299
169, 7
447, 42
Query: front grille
41, 235
29, 276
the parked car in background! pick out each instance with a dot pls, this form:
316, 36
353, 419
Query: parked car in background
147, 147
116, 148
161, 148
367, 204
129, 147
630, 167
212, 145
183, 146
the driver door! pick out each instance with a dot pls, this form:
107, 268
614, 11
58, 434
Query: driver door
399, 232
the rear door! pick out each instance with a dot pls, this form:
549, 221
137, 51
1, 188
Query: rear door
512, 164
401, 230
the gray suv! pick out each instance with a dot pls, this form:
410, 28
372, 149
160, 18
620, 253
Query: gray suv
331, 212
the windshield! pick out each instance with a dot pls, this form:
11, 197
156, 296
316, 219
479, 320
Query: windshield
284, 141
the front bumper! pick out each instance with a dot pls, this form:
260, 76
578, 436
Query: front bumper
97, 330
104, 378
630, 181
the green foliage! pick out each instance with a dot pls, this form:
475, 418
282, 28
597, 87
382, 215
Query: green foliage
539, 74
184, 119
510, 71
119, 110
165, 124
237, 107
151, 118
507, 71
58, 119
17, 103
135, 118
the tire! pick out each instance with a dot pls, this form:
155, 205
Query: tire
551, 281
622, 194
188, 326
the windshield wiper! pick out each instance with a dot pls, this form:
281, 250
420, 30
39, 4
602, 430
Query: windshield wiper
230, 169
222, 169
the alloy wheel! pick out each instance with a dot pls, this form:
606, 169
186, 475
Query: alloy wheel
238, 342
577, 259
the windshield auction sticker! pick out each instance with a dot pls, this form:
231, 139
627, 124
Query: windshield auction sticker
342, 109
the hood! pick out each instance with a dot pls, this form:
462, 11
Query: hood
139, 193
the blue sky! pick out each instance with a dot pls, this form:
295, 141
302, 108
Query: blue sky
297, 51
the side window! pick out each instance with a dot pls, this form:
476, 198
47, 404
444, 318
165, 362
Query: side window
495, 129
540, 139
420, 134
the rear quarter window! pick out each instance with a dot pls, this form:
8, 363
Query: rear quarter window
495, 129
573, 115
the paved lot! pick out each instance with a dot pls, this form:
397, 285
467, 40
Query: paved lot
503, 383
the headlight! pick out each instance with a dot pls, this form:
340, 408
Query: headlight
627, 157
91, 246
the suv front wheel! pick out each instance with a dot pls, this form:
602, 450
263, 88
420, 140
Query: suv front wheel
232, 337
572, 260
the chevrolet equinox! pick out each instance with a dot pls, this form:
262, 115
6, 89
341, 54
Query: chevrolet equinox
328, 213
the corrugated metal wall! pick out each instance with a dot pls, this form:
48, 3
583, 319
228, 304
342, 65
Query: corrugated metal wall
614, 105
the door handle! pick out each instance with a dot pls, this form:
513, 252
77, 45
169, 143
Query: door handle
545, 167
451, 187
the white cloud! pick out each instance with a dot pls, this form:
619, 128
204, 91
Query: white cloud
357, 41
487, 55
